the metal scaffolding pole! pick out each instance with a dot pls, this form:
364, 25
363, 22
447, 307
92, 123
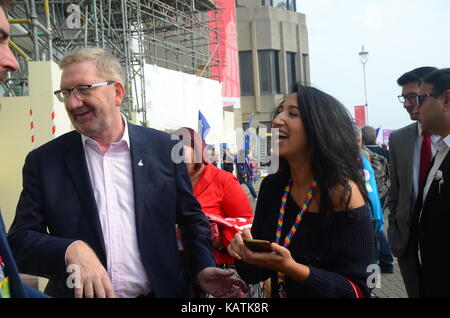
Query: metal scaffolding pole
176, 34
34, 28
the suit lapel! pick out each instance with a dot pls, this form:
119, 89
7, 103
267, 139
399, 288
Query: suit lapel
139, 164
434, 188
79, 173
420, 202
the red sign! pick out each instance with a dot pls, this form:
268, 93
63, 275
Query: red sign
360, 115
227, 52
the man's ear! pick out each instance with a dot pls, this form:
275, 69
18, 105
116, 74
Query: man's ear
120, 92
445, 98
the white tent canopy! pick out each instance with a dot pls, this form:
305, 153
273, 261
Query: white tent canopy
175, 98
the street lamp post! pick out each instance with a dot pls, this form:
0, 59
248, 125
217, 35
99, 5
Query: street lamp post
364, 57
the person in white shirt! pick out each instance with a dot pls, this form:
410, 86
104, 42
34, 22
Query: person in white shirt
432, 213
405, 146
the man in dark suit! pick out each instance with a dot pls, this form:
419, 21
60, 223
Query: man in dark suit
105, 200
432, 213
405, 146
10, 283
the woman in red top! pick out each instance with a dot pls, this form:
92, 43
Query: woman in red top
219, 193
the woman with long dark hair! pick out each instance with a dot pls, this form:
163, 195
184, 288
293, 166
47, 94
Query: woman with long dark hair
314, 208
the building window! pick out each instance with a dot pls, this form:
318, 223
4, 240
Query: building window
267, 150
281, 4
290, 70
269, 74
291, 5
305, 68
246, 73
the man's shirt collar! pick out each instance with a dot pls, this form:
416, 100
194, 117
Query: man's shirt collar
125, 136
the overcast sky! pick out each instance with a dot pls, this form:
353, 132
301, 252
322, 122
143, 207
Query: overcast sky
399, 35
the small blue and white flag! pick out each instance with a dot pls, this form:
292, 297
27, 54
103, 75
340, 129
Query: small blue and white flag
203, 126
247, 136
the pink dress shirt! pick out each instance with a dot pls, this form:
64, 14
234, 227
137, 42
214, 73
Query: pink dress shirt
112, 182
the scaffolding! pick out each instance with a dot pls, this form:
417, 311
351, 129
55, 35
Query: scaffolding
176, 34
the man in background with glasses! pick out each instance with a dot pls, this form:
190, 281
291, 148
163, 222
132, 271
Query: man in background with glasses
410, 154
432, 213
101, 203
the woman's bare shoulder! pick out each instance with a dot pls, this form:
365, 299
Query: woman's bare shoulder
340, 201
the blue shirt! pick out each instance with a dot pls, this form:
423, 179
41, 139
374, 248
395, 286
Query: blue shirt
372, 192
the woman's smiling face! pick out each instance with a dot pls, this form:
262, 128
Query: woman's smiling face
291, 132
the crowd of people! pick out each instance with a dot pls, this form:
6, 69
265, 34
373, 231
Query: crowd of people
109, 202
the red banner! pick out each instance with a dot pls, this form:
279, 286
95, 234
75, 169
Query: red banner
360, 115
227, 52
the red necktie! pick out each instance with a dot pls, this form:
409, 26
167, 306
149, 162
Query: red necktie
425, 157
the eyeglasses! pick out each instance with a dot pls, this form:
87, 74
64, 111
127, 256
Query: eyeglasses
80, 91
412, 98
421, 98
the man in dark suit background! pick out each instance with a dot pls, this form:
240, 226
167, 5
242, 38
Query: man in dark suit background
405, 146
432, 213
105, 199
10, 283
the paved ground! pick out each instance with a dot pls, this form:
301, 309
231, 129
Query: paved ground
392, 285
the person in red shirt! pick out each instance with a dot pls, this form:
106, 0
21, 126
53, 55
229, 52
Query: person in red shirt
219, 193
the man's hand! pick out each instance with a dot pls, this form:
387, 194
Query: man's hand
94, 279
220, 283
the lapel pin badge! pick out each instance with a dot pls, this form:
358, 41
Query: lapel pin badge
438, 176
140, 163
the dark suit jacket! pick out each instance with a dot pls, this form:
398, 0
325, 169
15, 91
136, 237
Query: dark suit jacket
16, 288
433, 235
401, 196
57, 207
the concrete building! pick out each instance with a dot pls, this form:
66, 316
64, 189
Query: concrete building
273, 55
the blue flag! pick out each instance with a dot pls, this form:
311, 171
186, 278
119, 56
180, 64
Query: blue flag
203, 126
250, 122
247, 136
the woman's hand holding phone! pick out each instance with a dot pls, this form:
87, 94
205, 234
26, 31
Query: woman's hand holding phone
258, 245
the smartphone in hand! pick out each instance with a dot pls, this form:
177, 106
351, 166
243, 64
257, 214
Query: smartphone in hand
258, 245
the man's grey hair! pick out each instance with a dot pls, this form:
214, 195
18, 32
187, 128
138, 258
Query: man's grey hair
107, 65
369, 135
